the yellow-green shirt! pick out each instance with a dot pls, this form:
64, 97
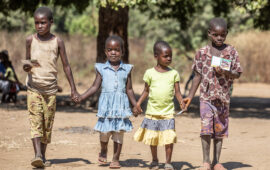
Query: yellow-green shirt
161, 91
10, 75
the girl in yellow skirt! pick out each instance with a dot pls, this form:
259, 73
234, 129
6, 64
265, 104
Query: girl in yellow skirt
158, 126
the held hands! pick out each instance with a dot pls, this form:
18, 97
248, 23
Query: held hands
137, 110
186, 102
183, 105
75, 96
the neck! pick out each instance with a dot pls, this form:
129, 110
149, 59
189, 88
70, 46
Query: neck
161, 68
44, 37
212, 45
117, 63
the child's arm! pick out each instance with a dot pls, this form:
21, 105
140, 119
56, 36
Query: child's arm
93, 89
195, 84
178, 95
28, 67
130, 92
144, 95
66, 68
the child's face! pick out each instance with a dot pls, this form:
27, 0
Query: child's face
113, 51
164, 58
217, 35
42, 24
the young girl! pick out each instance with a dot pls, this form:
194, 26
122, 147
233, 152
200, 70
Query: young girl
113, 109
158, 126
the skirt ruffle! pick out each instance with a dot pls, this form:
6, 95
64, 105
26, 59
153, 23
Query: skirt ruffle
114, 105
113, 124
154, 138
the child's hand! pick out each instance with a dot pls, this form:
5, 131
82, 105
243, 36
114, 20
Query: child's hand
186, 101
219, 70
137, 110
27, 67
183, 105
75, 96
77, 99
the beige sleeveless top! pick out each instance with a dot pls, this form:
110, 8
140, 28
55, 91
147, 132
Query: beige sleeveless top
43, 79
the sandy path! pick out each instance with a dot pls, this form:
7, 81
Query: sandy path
76, 146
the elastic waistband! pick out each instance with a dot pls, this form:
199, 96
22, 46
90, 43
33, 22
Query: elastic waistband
110, 91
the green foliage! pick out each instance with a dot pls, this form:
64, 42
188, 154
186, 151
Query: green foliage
85, 23
115, 4
67, 20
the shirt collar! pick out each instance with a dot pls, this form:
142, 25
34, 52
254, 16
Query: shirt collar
108, 65
224, 52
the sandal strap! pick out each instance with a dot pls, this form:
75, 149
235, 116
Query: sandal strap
168, 166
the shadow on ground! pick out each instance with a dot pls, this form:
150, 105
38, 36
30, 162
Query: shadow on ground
241, 107
69, 160
146, 164
235, 165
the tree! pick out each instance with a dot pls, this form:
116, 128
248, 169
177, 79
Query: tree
112, 22
113, 14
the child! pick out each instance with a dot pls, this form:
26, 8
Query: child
113, 110
43, 48
12, 86
158, 126
215, 86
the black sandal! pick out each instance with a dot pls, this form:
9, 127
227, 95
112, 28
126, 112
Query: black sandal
154, 165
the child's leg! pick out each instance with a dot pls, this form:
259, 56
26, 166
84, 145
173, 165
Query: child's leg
169, 150
103, 149
43, 150
104, 138
117, 138
154, 153
117, 147
37, 146
34, 104
207, 130
49, 107
217, 150
221, 130
206, 141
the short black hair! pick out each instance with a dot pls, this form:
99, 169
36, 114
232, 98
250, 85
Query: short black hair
118, 39
44, 11
217, 22
4, 55
160, 44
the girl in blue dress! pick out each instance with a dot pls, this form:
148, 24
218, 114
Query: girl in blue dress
113, 109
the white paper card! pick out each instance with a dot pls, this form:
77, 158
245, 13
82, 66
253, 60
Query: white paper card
223, 63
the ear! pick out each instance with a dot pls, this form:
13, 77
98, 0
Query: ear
51, 21
105, 51
209, 32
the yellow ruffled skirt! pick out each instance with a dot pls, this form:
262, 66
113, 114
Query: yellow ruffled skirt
157, 131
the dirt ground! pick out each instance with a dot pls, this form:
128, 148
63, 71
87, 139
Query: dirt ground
76, 146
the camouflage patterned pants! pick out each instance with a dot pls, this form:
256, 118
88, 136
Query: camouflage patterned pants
41, 115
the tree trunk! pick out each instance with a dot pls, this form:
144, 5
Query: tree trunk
112, 22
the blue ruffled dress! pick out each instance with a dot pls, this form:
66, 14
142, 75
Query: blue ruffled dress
113, 107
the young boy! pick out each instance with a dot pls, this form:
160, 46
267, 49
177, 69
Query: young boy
42, 50
215, 84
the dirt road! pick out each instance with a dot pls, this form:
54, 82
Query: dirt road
76, 146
